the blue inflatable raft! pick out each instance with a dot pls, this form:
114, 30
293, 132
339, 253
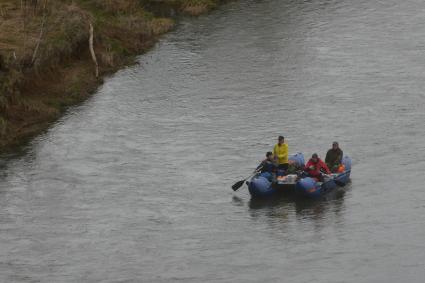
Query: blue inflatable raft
263, 185
311, 188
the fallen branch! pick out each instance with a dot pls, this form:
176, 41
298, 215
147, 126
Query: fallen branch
93, 55
40, 36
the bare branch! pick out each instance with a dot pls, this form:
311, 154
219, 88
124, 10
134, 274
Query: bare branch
93, 55
40, 36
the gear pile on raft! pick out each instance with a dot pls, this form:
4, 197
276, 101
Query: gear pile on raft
285, 174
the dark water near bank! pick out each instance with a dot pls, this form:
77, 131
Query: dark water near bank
134, 185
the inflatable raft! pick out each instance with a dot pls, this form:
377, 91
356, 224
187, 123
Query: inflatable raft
263, 185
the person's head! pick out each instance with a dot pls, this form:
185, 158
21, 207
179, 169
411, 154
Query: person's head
315, 157
269, 156
335, 145
280, 139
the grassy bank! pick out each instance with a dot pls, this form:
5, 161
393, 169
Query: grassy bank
47, 62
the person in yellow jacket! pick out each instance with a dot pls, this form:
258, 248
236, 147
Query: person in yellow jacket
280, 151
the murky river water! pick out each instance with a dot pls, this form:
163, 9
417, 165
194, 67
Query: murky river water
134, 185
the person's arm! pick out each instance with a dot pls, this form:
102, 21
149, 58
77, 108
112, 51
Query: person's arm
325, 167
274, 163
275, 157
340, 155
307, 166
328, 157
285, 152
260, 166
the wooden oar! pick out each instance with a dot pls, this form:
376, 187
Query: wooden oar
240, 183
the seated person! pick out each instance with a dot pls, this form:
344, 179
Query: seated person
334, 157
314, 166
268, 166
294, 167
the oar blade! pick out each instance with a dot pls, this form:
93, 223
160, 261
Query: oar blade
238, 184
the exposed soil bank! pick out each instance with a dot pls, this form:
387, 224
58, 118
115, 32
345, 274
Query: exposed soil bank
46, 63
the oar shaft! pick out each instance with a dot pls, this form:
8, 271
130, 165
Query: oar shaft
240, 183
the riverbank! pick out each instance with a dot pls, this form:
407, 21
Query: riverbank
47, 61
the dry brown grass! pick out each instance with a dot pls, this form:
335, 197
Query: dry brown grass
118, 6
159, 26
12, 35
197, 7
195, 10
34, 89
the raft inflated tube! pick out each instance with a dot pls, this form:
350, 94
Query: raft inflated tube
260, 186
308, 186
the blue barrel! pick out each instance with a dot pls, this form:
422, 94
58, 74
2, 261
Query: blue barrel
298, 159
346, 161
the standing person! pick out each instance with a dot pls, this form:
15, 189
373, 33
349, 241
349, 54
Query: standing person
314, 166
280, 152
334, 157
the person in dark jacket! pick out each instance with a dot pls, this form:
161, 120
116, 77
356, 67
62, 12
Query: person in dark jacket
267, 167
268, 164
334, 157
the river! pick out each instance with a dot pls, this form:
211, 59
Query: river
133, 185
